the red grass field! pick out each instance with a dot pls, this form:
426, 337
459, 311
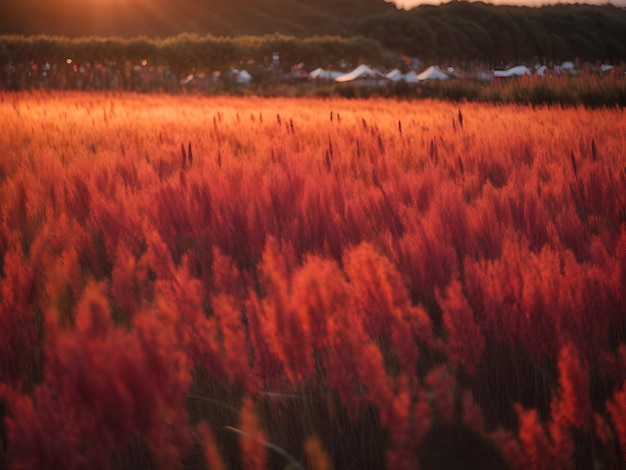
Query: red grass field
192, 282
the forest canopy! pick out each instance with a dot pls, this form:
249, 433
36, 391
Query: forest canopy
465, 31
455, 31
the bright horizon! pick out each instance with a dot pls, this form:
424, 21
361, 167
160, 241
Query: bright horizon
534, 3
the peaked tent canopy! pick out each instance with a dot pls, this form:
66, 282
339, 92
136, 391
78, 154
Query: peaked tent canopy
410, 77
395, 75
517, 71
432, 73
362, 71
243, 77
321, 74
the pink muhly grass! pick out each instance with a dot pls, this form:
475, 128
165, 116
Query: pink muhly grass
466, 342
253, 451
443, 385
617, 410
537, 447
292, 338
382, 300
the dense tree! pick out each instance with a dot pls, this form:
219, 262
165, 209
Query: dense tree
454, 31
503, 33
187, 51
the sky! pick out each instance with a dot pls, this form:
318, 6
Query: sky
535, 3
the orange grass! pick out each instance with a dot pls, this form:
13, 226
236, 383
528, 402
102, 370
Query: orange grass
250, 283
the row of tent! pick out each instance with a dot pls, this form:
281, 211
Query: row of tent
435, 73
540, 70
361, 74
366, 73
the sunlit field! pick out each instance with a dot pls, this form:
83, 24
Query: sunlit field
224, 283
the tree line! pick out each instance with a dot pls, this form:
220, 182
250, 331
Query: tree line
188, 51
461, 30
454, 31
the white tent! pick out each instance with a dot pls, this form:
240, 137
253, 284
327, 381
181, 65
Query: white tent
321, 74
361, 72
410, 77
567, 66
395, 75
186, 80
606, 68
517, 71
243, 77
541, 70
317, 73
432, 73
